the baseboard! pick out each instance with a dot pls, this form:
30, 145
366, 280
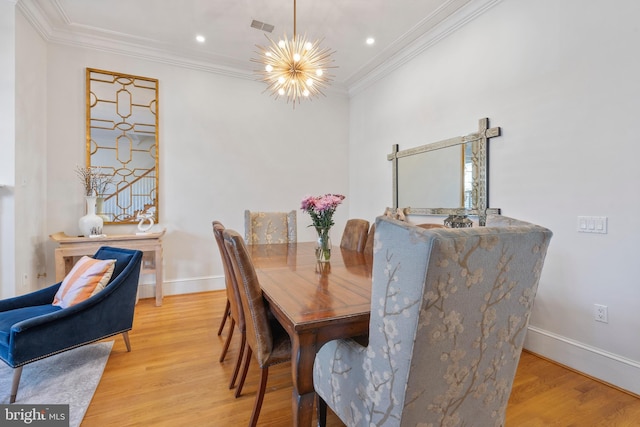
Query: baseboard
147, 288
602, 365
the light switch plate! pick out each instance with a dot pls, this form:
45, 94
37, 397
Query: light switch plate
592, 224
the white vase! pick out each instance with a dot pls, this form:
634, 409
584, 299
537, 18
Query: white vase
90, 224
100, 209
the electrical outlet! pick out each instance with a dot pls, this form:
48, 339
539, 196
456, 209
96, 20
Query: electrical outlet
600, 313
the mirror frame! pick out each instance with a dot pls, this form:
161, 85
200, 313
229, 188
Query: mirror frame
481, 181
91, 121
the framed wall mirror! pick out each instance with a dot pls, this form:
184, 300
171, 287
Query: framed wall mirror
122, 144
447, 177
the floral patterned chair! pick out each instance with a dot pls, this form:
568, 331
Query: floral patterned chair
449, 314
270, 227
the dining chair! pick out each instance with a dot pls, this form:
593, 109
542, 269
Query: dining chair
426, 226
233, 304
368, 246
449, 314
354, 236
270, 227
225, 316
267, 341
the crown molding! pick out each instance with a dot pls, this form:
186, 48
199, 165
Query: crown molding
55, 27
444, 27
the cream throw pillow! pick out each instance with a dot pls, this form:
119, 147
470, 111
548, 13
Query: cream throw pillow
88, 277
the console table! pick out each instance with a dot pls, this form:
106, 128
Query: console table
70, 248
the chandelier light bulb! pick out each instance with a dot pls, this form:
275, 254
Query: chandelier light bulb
308, 46
268, 68
282, 44
296, 57
319, 72
281, 79
305, 93
281, 91
309, 82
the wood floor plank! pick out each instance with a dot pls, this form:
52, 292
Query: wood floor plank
172, 377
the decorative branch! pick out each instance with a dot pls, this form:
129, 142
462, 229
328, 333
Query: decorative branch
94, 181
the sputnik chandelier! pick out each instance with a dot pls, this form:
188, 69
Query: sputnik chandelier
294, 68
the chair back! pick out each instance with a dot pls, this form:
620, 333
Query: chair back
449, 314
270, 227
355, 234
467, 323
430, 225
368, 246
259, 336
233, 293
123, 258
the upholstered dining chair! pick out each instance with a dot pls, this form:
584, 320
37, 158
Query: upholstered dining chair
46, 322
354, 236
368, 246
267, 341
430, 225
233, 303
449, 314
270, 227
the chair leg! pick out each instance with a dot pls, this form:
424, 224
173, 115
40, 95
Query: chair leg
243, 376
236, 369
228, 341
227, 310
321, 411
125, 335
17, 372
259, 396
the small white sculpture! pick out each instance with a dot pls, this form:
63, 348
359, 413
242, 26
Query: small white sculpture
146, 217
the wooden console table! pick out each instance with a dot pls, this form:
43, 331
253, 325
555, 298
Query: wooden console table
70, 248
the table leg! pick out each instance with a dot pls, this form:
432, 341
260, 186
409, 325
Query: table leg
158, 266
60, 265
303, 353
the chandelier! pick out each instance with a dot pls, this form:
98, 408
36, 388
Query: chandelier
294, 68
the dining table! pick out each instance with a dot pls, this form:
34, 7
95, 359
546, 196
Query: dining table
315, 302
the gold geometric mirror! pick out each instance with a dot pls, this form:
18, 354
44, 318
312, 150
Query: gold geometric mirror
122, 144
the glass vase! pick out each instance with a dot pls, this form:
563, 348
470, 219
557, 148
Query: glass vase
323, 247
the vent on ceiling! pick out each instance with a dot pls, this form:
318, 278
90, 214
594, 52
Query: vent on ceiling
261, 26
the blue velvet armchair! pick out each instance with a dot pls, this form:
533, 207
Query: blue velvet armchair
31, 328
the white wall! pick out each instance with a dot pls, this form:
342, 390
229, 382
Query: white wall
224, 147
561, 80
7, 147
31, 140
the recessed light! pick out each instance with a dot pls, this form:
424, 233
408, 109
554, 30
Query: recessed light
200, 39
370, 40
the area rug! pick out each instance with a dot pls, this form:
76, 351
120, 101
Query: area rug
66, 378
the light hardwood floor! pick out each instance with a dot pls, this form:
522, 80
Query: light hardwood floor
172, 377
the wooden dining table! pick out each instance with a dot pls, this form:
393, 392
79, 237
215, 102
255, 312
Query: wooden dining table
315, 303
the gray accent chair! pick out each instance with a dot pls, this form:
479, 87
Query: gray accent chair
449, 314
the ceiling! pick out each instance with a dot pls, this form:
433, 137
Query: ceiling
165, 30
